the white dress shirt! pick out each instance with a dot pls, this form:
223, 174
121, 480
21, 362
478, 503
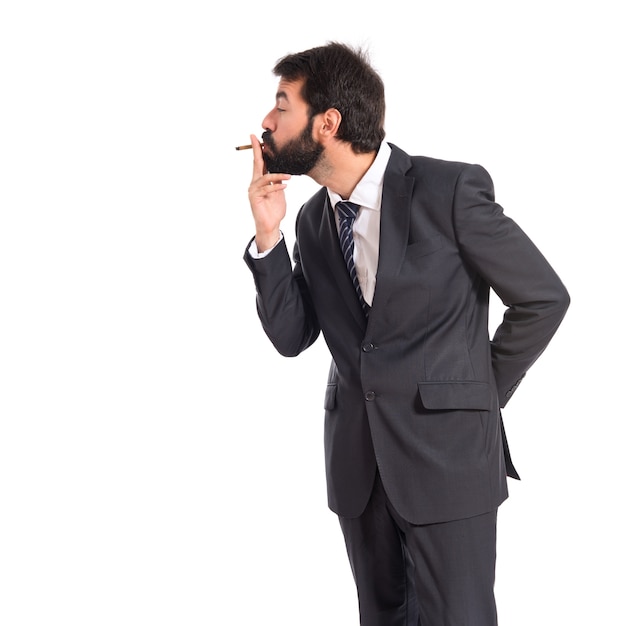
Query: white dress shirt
366, 229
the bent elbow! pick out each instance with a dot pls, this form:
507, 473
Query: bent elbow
563, 300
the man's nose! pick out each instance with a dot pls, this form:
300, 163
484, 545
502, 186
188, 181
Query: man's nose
268, 122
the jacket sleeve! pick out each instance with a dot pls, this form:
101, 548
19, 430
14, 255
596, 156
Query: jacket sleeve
535, 298
283, 302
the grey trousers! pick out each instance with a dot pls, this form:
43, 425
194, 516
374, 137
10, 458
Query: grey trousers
431, 575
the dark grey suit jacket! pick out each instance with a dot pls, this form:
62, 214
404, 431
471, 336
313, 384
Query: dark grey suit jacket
416, 387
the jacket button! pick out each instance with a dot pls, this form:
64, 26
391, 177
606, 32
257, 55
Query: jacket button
367, 347
370, 395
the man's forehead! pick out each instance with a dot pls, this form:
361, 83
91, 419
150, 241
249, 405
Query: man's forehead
289, 90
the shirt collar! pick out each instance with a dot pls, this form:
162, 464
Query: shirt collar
369, 191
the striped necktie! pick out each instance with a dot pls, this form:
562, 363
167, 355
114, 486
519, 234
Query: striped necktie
347, 214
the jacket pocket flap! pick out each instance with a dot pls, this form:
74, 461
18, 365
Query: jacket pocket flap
455, 395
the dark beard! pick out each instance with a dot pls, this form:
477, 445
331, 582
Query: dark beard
297, 157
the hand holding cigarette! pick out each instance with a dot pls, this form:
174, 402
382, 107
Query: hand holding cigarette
267, 198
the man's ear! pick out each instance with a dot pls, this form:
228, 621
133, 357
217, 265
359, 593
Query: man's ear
329, 125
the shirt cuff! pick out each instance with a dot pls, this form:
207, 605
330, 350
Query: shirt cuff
253, 251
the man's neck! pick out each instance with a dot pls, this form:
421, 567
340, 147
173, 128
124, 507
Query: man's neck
340, 169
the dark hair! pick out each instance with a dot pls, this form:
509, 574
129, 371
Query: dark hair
340, 77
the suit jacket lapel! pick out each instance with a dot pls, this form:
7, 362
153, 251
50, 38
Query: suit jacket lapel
395, 218
394, 232
394, 224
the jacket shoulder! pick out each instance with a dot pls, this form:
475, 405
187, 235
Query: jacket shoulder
432, 175
415, 165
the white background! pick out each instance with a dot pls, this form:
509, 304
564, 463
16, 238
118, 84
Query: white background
160, 464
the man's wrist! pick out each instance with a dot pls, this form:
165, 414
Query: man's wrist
256, 253
265, 242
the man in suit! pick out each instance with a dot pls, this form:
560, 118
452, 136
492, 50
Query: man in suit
416, 458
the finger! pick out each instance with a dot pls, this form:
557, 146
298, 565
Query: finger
268, 184
258, 167
276, 178
268, 181
271, 187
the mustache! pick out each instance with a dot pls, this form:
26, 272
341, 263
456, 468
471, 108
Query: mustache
268, 139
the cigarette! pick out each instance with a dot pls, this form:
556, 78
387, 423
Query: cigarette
246, 147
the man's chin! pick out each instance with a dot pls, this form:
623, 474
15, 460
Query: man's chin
294, 165
275, 167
